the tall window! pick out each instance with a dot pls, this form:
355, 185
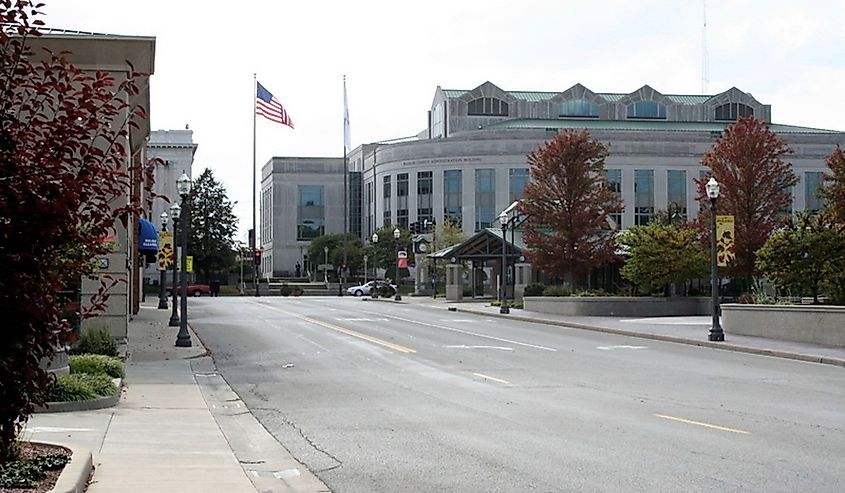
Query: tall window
453, 190
402, 200
437, 121
386, 223
266, 216
579, 108
485, 198
732, 111
812, 199
370, 209
311, 212
487, 107
355, 203
677, 192
519, 177
424, 191
643, 196
647, 109
614, 182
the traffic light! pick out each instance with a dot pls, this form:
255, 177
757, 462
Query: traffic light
257, 257
415, 228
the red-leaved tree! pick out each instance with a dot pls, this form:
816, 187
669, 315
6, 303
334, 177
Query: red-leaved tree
568, 203
834, 189
63, 147
755, 182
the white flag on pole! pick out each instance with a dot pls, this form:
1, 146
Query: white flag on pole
347, 139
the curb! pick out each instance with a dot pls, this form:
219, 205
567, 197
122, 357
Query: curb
89, 405
825, 360
74, 477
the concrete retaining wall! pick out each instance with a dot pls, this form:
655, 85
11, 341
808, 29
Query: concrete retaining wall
618, 306
799, 323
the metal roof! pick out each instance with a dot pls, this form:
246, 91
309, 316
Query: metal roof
641, 125
535, 96
484, 244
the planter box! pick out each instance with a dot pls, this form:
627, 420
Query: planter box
618, 306
798, 323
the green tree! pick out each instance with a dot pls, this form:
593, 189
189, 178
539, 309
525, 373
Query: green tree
568, 203
213, 227
335, 243
834, 189
660, 254
806, 257
384, 252
446, 234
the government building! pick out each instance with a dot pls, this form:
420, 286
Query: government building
470, 162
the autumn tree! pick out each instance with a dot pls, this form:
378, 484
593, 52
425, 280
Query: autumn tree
834, 189
63, 146
661, 254
213, 227
568, 203
755, 183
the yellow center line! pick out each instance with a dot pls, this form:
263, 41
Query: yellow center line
698, 423
374, 340
488, 377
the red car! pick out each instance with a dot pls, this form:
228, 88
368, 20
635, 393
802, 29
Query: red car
193, 290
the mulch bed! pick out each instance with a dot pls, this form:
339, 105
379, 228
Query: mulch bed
30, 451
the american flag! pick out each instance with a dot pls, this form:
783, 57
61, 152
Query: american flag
270, 108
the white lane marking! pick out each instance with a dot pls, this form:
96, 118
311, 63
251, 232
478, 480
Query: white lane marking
509, 341
362, 320
53, 429
457, 320
611, 348
488, 377
699, 423
501, 348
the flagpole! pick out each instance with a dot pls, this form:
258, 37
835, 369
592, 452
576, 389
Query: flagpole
254, 230
345, 187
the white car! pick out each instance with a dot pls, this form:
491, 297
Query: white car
368, 287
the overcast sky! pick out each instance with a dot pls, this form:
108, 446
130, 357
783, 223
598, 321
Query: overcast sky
788, 54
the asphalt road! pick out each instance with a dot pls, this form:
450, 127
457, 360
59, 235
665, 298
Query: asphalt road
387, 397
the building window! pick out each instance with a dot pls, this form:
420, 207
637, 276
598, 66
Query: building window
487, 107
453, 190
812, 185
386, 223
311, 213
614, 183
677, 192
485, 198
437, 121
579, 108
643, 196
424, 191
647, 109
518, 179
402, 200
732, 111
371, 215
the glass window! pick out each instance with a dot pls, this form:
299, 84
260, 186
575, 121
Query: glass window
311, 212
812, 183
677, 192
485, 198
437, 121
643, 196
402, 200
518, 179
647, 109
732, 111
424, 192
487, 107
580, 108
453, 190
386, 222
614, 182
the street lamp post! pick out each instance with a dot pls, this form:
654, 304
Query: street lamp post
374, 290
365, 269
504, 308
183, 184
326, 266
175, 212
716, 332
162, 272
396, 234
433, 225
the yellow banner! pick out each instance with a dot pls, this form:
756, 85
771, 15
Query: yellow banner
189, 263
165, 250
725, 245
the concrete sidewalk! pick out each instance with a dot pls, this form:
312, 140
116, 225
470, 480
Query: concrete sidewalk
177, 428
683, 330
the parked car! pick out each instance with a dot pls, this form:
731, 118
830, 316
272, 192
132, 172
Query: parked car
367, 288
193, 290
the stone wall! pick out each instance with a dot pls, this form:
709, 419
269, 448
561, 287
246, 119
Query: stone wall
799, 323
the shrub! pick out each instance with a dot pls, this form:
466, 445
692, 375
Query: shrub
80, 387
24, 473
285, 290
535, 289
96, 342
96, 364
556, 291
591, 293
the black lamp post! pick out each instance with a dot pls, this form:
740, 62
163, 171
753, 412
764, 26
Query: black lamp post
433, 225
326, 266
374, 290
175, 213
504, 308
183, 184
716, 332
396, 235
162, 274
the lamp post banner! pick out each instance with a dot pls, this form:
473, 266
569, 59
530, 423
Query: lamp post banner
725, 246
165, 250
402, 258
